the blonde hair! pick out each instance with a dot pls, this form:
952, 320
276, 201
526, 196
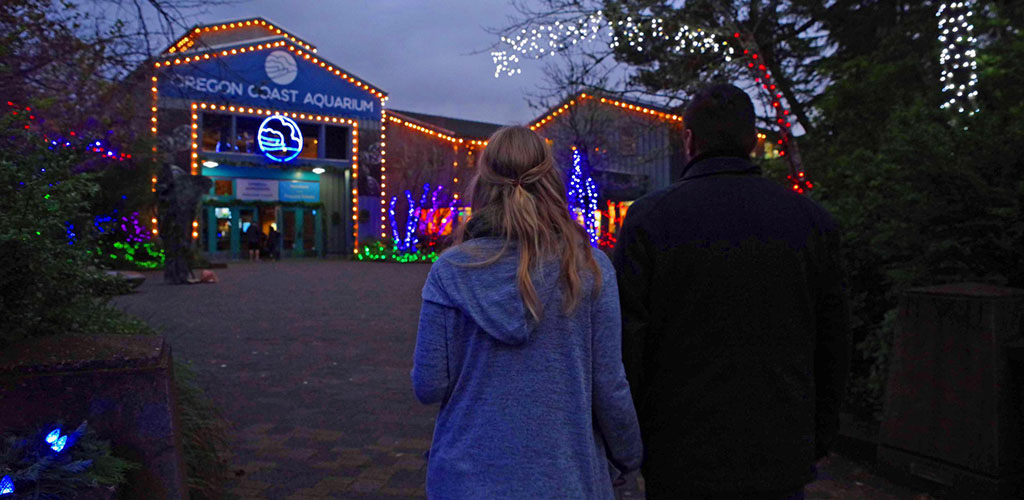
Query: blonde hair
520, 195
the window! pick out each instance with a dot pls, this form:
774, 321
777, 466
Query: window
223, 216
223, 187
310, 140
216, 132
336, 143
245, 134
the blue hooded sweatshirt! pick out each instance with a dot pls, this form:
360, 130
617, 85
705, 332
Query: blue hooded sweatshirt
528, 410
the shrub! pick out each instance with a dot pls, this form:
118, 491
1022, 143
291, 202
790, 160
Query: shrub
48, 285
52, 283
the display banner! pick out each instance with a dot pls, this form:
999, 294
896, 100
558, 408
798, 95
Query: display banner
270, 78
300, 191
228, 171
256, 189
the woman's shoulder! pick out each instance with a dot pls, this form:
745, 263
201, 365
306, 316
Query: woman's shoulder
604, 264
471, 251
603, 261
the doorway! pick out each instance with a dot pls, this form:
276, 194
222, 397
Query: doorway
300, 232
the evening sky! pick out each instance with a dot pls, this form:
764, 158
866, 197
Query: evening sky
431, 57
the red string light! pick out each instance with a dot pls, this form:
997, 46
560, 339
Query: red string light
800, 183
92, 146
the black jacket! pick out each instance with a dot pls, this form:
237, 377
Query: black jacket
735, 330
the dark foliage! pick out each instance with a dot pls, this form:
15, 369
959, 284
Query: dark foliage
48, 285
924, 196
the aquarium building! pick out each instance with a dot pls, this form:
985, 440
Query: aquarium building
280, 131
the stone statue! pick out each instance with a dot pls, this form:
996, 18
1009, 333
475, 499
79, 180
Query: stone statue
178, 195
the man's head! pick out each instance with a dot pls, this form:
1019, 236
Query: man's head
720, 121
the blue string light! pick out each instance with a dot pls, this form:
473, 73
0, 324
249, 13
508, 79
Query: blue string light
419, 219
411, 221
426, 221
56, 441
6, 486
582, 196
391, 216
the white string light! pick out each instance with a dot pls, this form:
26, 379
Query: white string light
959, 67
551, 39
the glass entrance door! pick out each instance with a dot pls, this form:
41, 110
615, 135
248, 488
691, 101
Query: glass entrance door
309, 239
301, 230
288, 228
222, 231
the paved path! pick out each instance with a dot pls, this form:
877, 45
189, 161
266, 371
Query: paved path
309, 360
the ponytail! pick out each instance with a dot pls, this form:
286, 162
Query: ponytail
524, 196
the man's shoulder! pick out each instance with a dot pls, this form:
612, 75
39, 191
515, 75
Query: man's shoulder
653, 201
662, 205
821, 217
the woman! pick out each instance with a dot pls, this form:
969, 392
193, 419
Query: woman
519, 340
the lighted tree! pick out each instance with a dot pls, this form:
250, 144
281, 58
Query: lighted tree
424, 223
582, 195
959, 78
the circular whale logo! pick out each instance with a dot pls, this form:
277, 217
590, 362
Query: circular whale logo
279, 138
281, 67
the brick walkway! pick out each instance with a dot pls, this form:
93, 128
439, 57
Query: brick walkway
309, 361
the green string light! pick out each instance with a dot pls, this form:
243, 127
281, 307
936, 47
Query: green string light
148, 258
380, 252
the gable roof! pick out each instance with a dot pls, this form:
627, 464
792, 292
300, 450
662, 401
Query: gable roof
626, 104
456, 127
201, 44
198, 33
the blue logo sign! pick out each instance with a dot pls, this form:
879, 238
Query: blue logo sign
280, 67
279, 138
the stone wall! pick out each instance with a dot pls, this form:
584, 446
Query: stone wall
122, 385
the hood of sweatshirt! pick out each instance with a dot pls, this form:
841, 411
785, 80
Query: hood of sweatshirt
489, 294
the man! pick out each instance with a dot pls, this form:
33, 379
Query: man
253, 236
735, 321
273, 243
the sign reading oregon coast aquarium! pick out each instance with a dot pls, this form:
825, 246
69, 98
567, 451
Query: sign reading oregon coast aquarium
273, 79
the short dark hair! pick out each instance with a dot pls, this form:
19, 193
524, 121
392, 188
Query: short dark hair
721, 119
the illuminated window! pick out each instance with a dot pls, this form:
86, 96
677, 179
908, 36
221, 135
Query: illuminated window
246, 129
223, 215
310, 140
216, 132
